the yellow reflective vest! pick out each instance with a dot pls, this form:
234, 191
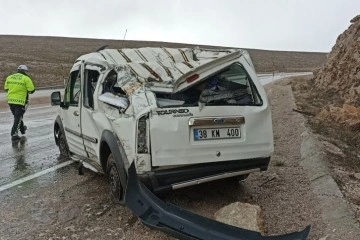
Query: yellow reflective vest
18, 85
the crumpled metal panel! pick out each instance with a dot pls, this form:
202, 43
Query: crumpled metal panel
157, 66
183, 224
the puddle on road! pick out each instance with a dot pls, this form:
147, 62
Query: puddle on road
23, 158
19, 154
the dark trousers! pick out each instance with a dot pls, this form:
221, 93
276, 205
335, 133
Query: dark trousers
18, 112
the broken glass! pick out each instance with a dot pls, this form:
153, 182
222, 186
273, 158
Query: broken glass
230, 86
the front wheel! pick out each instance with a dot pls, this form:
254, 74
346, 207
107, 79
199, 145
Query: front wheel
63, 148
117, 189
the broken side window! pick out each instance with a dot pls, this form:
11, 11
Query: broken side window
91, 78
73, 89
110, 84
112, 94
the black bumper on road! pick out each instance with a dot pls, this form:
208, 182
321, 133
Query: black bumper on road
183, 224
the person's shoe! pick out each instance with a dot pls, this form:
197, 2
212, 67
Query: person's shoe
15, 137
23, 130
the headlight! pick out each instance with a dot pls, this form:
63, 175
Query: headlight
141, 136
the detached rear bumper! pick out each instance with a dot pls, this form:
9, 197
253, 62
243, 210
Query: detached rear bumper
174, 178
183, 224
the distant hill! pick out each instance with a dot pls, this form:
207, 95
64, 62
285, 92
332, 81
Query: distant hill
50, 58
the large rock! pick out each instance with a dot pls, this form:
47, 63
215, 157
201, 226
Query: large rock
243, 215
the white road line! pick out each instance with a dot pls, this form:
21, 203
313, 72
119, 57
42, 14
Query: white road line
38, 174
30, 109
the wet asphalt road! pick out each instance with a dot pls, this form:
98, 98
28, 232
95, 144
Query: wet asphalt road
34, 152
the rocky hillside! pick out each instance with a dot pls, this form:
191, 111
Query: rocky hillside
339, 79
341, 73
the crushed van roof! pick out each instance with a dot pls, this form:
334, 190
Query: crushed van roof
157, 66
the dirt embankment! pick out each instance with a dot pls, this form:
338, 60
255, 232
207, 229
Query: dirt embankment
339, 137
331, 103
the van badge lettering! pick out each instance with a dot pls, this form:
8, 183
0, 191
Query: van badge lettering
183, 112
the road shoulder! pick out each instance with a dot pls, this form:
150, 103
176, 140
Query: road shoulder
337, 217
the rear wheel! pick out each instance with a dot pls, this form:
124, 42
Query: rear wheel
117, 189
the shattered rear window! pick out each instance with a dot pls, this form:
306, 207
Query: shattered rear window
230, 86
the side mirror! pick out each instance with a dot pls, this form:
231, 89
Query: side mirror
55, 99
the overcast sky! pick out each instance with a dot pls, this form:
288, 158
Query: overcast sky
294, 25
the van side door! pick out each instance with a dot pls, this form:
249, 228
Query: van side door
72, 112
90, 131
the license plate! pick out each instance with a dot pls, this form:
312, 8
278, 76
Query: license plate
216, 133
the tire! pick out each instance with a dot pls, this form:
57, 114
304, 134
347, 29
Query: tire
64, 150
117, 189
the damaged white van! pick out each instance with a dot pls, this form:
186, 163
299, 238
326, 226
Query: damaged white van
183, 116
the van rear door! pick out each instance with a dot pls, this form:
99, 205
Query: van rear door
224, 116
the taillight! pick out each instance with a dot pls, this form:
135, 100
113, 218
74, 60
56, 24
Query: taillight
141, 136
192, 78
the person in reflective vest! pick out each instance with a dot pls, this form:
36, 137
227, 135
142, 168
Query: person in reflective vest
18, 86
